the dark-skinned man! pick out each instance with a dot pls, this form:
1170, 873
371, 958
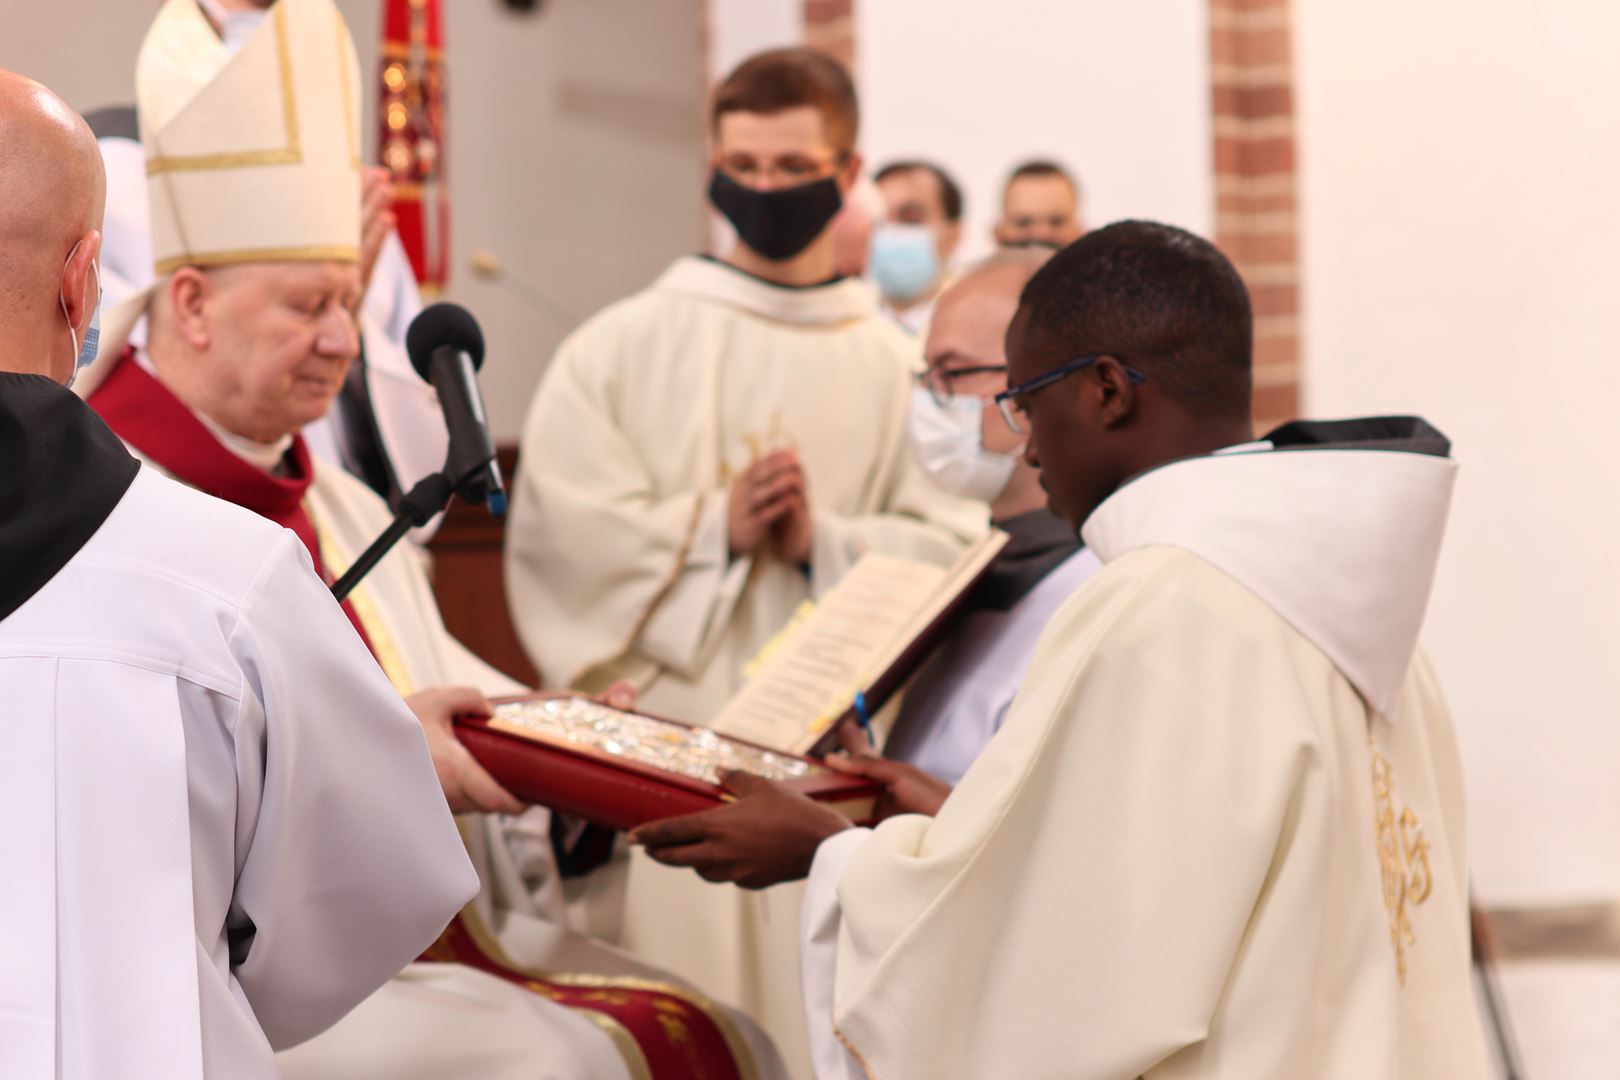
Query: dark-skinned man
1220, 832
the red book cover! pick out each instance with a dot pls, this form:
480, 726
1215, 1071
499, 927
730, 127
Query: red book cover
591, 775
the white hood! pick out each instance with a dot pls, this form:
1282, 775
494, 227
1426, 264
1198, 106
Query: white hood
1336, 525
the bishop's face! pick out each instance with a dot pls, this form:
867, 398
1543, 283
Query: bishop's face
281, 337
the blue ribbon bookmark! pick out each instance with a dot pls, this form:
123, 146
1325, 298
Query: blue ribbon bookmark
864, 718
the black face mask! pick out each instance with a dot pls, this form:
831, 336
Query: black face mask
778, 224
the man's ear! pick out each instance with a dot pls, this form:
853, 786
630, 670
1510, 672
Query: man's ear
1000, 234
1116, 391
81, 280
950, 235
190, 294
850, 171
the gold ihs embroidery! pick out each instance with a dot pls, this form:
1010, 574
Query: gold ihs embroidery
1403, 857
759, 445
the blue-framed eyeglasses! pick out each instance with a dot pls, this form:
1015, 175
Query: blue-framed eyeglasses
1007, 400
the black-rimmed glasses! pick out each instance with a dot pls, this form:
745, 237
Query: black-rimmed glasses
1007, 400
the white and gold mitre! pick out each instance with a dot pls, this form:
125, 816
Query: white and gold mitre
253, 157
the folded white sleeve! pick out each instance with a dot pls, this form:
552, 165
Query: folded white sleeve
820, 918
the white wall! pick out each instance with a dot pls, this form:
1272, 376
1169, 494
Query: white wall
1461, 211
576, 146
740, 28
1117, 91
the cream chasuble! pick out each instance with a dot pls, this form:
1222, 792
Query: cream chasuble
1220, 834
617, 559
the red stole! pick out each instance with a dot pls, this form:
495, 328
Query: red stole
679, 1033
147, 416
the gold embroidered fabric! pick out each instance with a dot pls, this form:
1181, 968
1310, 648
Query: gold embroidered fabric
1403, 857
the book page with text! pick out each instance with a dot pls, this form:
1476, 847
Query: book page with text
811, 678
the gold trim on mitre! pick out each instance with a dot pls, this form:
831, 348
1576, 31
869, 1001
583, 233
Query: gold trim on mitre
261, 162
306, 253
290, 154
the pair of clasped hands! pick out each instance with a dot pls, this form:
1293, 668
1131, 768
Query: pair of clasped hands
771, 832
770, 509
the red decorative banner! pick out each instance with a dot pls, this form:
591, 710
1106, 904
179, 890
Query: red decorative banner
412, 139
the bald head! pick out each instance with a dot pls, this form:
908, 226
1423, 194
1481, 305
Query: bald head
986, 295
50, 222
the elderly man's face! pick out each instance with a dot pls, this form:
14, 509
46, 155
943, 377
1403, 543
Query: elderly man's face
281, 337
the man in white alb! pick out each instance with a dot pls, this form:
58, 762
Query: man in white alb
220, 825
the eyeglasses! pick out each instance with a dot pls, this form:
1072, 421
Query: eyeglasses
940, 382
1007, 400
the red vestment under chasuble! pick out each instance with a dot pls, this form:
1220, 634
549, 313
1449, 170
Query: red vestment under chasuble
662, 1031
148, 417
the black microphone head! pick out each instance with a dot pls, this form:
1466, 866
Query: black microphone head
439, 325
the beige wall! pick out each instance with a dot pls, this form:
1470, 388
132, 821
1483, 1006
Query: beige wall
1460, 171
575, 146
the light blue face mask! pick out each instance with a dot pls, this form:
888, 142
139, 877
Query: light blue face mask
85, 351
905, 260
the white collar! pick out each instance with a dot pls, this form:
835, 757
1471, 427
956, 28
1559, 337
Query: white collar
267, 457
1341, 542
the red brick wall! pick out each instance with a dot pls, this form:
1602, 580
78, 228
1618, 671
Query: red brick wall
1255, 170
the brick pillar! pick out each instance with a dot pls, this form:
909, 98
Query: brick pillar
829, 25
1256, 222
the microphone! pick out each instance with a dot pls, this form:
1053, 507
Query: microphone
447, 349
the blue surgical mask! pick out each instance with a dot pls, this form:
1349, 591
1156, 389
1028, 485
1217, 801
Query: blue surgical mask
85, 350
905, 260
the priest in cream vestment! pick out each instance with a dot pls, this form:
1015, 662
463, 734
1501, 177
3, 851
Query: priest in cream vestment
757, 381
248, 344
1220, 833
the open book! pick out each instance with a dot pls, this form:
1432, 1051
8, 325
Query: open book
865, 638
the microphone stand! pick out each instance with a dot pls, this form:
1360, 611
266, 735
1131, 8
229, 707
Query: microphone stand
416, 509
